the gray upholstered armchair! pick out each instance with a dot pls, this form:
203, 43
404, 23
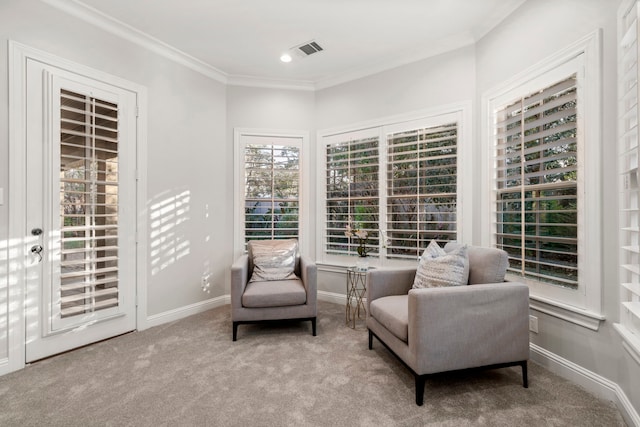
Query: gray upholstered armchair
273, 295
482, 325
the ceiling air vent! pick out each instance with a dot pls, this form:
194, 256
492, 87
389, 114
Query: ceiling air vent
308, 49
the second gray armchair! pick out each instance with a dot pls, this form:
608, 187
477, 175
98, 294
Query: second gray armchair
273, 293
432, 330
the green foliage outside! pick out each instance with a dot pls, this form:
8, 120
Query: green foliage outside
421, 191
271, 192
537, 209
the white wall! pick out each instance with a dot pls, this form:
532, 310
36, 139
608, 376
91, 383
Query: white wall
434, 82
265, 108
187, 159
513, 47
187, 152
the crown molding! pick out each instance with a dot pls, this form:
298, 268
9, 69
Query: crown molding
129, 33
446, 45
443, 46
251, 81
125, 31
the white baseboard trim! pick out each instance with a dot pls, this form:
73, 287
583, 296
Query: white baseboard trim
199, 307
337, 298
591, 381
333, 297
4, 366
186, 311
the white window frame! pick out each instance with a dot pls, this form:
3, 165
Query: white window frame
459, 113
239, 183
584, 305
360, 134
628, 152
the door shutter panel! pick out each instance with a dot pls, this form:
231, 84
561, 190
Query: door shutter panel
88, 204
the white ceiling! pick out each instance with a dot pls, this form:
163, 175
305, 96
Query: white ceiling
245, 38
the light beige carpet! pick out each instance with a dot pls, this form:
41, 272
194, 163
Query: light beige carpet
190, 373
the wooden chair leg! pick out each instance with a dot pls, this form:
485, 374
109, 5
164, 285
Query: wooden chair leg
370, 339
420, 381
235, 331
313, 326
525, 377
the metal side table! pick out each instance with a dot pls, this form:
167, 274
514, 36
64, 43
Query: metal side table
356, 290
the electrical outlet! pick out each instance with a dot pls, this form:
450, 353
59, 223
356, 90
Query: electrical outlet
205, 282
533, 324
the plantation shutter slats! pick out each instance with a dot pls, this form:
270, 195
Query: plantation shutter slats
509, 130
532, 125
629, 187
542, 96
536, 180
538, 174
272, 188
421, 189
351, 191
399, 182
535, 98
88, 204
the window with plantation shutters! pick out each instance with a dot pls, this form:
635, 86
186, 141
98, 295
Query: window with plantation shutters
628, 115
422, 175
543, 204
271, 198
536, 184
352, 195
89, 276
269, 185
544, 201
398, 181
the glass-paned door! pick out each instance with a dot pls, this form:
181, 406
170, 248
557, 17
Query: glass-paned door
80, 210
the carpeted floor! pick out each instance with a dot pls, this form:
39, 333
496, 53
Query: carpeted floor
190, 373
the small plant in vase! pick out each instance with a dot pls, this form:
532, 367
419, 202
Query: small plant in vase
362, 237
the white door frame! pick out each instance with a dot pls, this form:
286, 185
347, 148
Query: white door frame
18, 255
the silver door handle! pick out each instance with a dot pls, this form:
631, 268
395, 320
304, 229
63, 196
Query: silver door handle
37, 249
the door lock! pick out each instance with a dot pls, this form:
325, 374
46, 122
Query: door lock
36, 231
37, 249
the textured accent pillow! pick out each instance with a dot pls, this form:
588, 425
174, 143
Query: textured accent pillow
486, 265
273, 259
433, 250
438, 268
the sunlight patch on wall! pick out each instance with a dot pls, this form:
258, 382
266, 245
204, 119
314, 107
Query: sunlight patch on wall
4, 301
167, 214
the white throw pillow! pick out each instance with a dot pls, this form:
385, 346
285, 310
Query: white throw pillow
438, 268
273, 259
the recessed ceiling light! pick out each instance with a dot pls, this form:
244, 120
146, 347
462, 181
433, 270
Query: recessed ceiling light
285, 57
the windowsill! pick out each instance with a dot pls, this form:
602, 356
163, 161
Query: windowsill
630, 342
584, 318
341, 267
333, 268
